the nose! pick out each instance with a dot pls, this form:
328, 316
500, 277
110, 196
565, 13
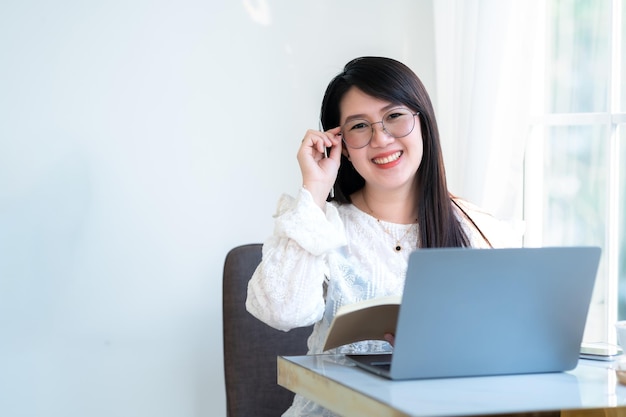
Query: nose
380, 136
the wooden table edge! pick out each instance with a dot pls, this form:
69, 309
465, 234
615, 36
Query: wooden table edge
330, 394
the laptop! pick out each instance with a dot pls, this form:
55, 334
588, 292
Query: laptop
476, 312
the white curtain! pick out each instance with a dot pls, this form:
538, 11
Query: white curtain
484, 54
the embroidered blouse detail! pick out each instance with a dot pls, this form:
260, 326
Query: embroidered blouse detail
316, 262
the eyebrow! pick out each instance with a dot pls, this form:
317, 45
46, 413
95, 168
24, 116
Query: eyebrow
384, 110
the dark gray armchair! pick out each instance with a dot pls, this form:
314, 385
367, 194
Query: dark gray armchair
250, 346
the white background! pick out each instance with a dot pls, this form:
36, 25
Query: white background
139, 142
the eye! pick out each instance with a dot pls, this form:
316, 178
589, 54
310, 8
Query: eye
358, 125
396, 116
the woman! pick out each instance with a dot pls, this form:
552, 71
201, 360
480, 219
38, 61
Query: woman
388, 196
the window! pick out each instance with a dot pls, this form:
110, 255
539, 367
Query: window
575, 168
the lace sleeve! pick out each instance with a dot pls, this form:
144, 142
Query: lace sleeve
286, 290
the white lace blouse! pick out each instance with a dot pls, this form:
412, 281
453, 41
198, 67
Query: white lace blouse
315, 262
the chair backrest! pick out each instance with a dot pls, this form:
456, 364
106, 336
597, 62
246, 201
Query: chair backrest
251, 346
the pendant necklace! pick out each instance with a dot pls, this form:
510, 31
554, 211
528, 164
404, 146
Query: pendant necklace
398, 246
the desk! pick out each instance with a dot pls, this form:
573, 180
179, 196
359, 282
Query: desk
333, 382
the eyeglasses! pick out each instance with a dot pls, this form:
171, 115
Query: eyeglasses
358, 133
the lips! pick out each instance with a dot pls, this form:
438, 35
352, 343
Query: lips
387, 159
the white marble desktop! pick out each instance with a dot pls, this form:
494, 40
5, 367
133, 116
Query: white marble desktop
591, 385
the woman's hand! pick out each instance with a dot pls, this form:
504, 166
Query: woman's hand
318, 172
391, 338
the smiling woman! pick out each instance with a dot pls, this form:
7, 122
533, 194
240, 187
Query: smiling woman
391, 198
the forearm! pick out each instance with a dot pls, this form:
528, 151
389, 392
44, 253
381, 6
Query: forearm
286, 290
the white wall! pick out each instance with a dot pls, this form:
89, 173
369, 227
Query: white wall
139, 142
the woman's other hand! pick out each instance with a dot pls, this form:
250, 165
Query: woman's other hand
390, 337
318, 171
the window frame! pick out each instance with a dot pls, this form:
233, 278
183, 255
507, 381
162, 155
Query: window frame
613, 121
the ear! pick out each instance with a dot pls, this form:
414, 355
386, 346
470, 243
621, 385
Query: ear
344, 152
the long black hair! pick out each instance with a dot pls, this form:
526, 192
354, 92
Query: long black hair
392, 81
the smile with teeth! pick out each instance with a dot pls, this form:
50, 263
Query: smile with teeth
387, 159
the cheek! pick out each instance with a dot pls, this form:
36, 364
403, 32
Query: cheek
418, 145
421, 148
358, 160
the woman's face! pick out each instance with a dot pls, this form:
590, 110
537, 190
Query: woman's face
386, 163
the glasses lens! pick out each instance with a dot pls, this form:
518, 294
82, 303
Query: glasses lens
357, 133
399, 122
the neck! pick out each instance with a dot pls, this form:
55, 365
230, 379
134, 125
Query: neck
392, 206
